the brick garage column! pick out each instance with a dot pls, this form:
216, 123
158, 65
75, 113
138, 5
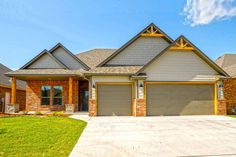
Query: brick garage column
140, 101
141, 107
92, 107
221, 108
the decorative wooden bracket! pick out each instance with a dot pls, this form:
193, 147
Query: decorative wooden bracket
152, 32
182, 44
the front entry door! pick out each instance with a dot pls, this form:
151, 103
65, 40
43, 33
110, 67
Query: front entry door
83, 96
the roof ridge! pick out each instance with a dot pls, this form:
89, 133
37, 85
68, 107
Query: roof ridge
96, 49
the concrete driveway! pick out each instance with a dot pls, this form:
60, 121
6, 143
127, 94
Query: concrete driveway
157, 136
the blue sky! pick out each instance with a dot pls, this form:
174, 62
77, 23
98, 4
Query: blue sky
27, 27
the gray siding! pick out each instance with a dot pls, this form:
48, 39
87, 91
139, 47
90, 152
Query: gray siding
45, 61
140, 51
180, 66
96, 79
67, 59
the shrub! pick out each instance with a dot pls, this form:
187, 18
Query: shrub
38, 113
58, 114
25, 112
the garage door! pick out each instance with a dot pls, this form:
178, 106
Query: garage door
114, 99
180, 99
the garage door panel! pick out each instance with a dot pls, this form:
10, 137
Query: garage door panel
179, 99
114, 99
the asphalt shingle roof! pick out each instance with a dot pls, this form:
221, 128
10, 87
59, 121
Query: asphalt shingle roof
95, 56
228, 63
121, 70
45, 72
4, 80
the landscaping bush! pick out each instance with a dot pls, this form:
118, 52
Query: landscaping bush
58, 114
38, 113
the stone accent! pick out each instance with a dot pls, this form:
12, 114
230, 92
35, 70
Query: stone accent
222, 107
33, 95
69, 108
141, 107
20, 97
92, 107
12, 108
230, 94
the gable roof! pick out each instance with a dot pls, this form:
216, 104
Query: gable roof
40, 55
70, 53
95, 56
165, 36
226, 60
228, 63
196, 50
4, 80
231, 70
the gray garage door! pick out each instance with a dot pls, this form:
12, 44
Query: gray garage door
179, 99
114, 99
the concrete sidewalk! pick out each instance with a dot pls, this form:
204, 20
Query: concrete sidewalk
157, 136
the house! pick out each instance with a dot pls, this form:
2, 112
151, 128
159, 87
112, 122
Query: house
150, 75
228, 63
5, 90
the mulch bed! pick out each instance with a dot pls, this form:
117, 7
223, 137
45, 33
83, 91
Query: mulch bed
43, 115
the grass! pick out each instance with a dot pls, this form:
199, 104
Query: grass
233, 116
32, 136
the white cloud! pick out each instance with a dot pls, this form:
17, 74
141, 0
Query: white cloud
202, 12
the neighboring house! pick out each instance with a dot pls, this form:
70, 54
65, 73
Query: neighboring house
228, 63
151, 74
5, 90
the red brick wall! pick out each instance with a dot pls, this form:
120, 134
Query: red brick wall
230, 94
20, 96
33, 95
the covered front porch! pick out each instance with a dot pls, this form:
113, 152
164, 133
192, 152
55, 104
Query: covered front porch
51, 90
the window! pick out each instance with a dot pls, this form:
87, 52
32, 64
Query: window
57, 95
45, 95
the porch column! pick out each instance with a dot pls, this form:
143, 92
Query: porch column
13, 90
13, 107
70, 90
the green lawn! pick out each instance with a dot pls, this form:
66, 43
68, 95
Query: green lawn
233, 116
29, 136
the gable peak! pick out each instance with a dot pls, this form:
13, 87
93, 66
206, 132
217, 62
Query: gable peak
182, 43
153, 31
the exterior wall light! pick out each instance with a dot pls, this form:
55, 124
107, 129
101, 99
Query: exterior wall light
140, 85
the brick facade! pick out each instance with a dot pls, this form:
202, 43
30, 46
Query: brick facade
92, 107
20, 97
33, 95
140, 107
230, 94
